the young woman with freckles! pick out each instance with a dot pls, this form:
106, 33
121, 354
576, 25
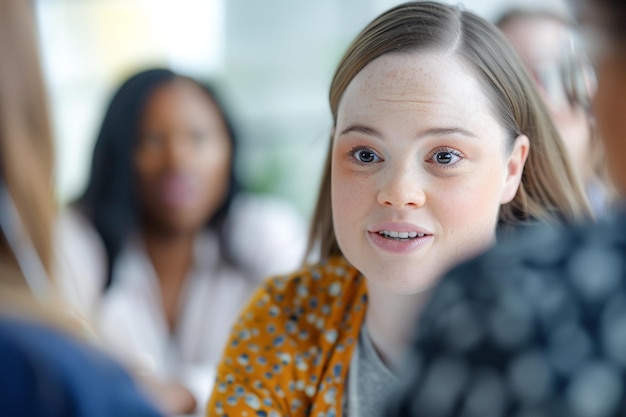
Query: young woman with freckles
439, 140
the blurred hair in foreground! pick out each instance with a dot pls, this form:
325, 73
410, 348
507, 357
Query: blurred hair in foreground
45, 370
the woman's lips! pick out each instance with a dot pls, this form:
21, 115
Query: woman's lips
399, 237
178, 190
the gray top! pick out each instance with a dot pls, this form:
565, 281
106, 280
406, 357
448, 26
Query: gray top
370, 382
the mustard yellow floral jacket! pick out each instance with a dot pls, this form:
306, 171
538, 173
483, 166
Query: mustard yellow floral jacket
290, 349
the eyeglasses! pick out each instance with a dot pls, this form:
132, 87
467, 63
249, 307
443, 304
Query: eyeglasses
568, 80
579, 76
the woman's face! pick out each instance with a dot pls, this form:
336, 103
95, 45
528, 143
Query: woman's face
420, 167
543, 45
182, 158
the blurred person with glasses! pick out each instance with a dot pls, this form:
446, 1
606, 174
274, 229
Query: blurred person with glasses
548, 46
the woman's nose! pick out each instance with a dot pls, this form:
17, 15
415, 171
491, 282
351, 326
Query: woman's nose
176, 153
402, 187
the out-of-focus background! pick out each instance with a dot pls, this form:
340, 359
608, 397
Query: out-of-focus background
272, 61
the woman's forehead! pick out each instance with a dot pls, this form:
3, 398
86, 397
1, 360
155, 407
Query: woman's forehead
417, 82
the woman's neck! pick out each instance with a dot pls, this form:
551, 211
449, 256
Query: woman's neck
391, 320
171, 257
170, 254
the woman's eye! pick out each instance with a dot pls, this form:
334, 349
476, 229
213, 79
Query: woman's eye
365, 156
445, 157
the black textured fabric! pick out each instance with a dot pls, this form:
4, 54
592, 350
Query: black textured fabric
534, 327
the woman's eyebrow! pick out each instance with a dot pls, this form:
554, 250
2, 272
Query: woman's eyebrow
361, 129
446, 131
437, 131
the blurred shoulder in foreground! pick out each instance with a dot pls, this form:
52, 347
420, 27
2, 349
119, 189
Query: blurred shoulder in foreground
44, 372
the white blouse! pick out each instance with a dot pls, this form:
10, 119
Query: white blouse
267, 238
133, 326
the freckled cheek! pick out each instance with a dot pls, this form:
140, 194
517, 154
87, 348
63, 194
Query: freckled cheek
468, 205
352, 194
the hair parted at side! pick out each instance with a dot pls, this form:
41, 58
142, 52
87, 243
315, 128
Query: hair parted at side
26, 147
549, 191
110, 198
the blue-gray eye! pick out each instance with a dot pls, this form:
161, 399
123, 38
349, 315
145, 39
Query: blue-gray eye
365, 155
444, 157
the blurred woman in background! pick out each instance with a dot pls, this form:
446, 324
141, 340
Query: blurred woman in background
545, 41
179, 247
45, 367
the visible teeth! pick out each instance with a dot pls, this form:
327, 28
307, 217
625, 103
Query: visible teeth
400, 235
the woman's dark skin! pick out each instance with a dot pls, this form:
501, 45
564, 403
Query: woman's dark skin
182, 164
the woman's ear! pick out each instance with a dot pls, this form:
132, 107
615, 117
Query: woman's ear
515, 167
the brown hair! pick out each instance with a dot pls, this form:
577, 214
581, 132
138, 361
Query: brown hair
26, 156
549, 191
